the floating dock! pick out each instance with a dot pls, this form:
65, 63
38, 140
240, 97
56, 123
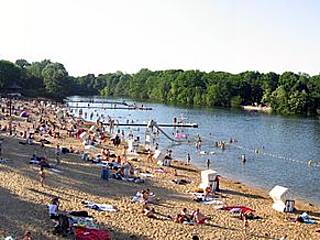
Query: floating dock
170, 125
102, 107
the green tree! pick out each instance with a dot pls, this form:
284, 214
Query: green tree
54, 77
9, 73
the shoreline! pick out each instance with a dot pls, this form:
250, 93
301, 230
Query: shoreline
79, 181
250, 185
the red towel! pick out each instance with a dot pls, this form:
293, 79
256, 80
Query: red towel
92, 234
243, 209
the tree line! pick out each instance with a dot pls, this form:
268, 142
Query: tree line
288, 93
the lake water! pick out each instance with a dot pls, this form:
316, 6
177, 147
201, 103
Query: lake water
285, 145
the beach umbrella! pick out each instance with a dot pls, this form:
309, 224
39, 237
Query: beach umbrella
24, 114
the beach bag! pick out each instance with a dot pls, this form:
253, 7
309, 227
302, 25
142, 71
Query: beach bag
92, 234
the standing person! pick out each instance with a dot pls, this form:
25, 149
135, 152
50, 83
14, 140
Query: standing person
217, 180
188, 159
58, 150
208, 163
42, 175
53, 208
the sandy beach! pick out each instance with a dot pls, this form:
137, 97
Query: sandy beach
23, 201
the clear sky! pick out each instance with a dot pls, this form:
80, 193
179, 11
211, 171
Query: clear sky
100, 36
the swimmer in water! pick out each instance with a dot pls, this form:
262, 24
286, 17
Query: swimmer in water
243, 158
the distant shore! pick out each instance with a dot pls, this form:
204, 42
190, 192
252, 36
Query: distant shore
264, 109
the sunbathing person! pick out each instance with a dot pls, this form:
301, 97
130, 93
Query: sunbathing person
183, 216
146, 196
198, 217
148, 212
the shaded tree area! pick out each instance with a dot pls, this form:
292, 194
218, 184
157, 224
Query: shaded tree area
288, 93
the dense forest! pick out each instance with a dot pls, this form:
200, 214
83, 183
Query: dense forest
288, 93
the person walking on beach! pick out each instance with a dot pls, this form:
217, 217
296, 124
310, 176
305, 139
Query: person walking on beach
208, 163
188, 159
42, 175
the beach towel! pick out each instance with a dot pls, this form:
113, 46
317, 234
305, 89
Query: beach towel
100, 207
189, 223
237, 209
92, 234
83, 222
201, 197
54, 170
146, 175
212, 202
159, 170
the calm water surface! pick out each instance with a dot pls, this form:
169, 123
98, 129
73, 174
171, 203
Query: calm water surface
285, 145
